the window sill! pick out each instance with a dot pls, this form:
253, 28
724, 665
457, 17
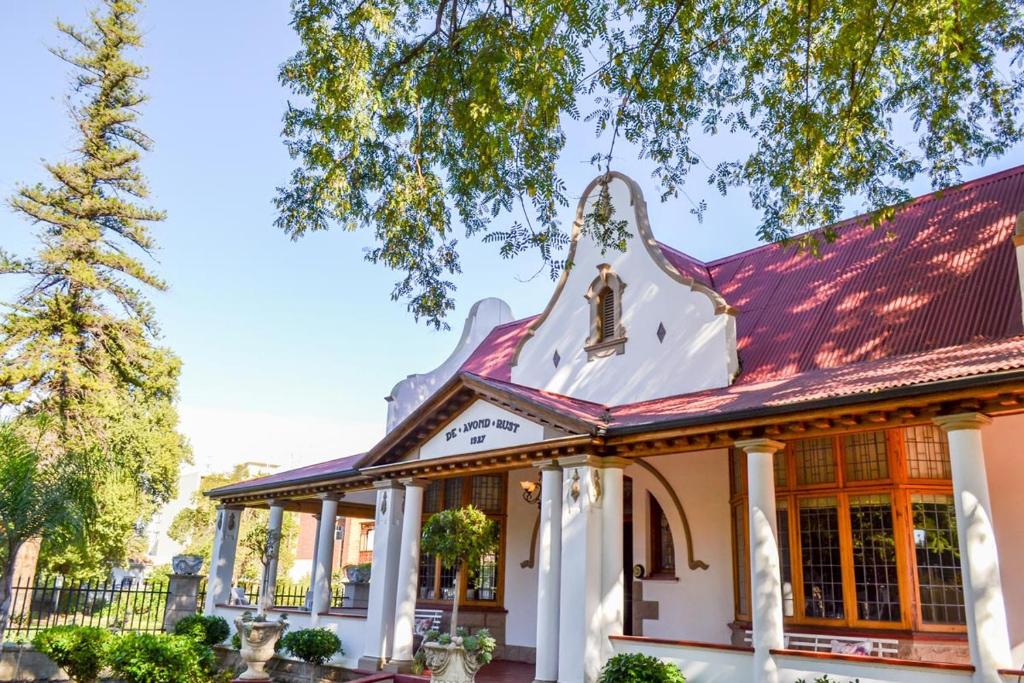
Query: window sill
663, 578
604, 349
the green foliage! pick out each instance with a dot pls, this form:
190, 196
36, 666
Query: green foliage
460, 537
480, 645
193, 527
209, 630
639, 668
79, 650
159, 658
412, 117
80, 343
312, 645
38, 496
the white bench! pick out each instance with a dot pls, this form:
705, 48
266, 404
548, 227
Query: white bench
822, 642
420, 617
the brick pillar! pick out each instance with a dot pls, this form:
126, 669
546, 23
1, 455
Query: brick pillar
182, 599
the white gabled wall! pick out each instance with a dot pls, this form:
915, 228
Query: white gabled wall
697, 352
408, 394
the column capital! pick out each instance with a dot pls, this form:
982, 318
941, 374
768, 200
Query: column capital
959, 421
414, 482
760, 445
590, 460
385, 484
548, 466
333, 495
277, 502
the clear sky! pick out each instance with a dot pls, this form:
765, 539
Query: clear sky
288, 347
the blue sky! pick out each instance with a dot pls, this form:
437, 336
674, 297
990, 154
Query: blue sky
288, 347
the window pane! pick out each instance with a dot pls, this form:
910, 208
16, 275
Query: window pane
785, 558
781, 474
874, 558
866, 456
938, 559
452, 494
663, 548
927, 452
339, 530
815, 461
820, 558
740, 536
483, 585
487, 492
447, 583
428, 573
432, 497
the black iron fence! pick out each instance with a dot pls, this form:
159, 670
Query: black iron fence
131, 605
286, 594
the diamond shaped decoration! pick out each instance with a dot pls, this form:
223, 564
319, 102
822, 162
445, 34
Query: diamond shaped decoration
556, 359
661, 332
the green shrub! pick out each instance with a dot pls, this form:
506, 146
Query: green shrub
159, 658
638, 668
76, 649
209, 630
312, 645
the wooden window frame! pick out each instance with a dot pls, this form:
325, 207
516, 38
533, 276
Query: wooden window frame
898, 486
501, 518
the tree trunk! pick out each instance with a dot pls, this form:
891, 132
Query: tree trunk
455, 601
6, 587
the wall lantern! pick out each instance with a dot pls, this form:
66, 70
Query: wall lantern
531, 491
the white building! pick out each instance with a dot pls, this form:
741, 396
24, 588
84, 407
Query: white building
761, 468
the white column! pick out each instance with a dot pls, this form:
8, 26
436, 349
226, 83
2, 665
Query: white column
549, 569
312, 565
269, 587
321, 602
987, 632
408, 576
765, 573
222, 560
589, 582
380, 613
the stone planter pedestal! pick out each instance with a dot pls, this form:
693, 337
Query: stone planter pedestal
357, 595
450, 663
258, 640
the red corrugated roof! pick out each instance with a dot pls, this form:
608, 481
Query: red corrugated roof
942, 273
318, 470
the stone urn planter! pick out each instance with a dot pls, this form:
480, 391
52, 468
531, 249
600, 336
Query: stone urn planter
186, 565
258, 640
450, 663
358, 573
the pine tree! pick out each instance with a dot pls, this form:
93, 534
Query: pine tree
80, 343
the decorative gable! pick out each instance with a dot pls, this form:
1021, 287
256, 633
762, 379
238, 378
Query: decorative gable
666, 333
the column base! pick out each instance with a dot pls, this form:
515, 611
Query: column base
399, 666
370, 664
543, 680
251, 680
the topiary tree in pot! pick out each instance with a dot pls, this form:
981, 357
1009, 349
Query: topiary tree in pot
315, 646
460, 539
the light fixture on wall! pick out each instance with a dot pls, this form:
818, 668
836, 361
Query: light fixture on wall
531, 490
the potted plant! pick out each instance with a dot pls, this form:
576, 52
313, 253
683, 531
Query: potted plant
358, 573
257, 638
460, 539
314, 646
631, 667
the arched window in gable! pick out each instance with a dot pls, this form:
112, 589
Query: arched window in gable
607, 334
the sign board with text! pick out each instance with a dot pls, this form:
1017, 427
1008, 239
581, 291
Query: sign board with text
481, 427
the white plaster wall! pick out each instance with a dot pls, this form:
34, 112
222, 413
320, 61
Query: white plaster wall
699, 665
520, 583
409, 393
699, 605
350, 630
481, 420
698, 351
1003, 441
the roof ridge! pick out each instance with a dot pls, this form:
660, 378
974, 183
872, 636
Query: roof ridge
920, 199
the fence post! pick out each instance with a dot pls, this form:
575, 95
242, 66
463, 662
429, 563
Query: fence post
182, 599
